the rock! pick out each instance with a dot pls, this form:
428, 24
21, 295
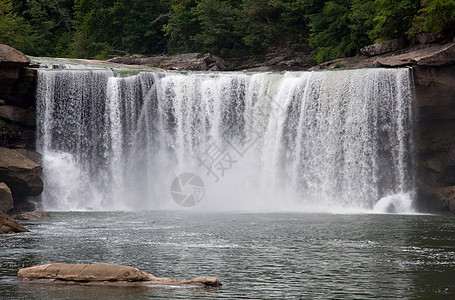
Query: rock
20, 173
438, 55
443, 196
84, 272
426, 38
6, 198
9, 225
10, 57
2, 102
188, 61
38, 214
435, 92
382, 47
17, 114
17, 86
30, 154
103, 272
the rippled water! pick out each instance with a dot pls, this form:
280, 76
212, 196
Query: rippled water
256, 256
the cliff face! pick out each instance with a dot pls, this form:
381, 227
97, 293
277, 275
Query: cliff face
435, 137
19, 174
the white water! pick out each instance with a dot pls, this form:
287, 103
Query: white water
330, 141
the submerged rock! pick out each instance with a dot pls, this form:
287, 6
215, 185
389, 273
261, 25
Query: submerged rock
38, 214
103, 272
9, 225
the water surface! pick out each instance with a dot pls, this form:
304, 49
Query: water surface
256, 256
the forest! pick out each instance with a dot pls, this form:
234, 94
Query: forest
228, 28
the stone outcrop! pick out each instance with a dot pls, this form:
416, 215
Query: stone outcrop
432, 55
6, 198
382, 47
9, 225
38, 214
187, 62
103, 272
17, 82
20, 173
435, 138
10, 57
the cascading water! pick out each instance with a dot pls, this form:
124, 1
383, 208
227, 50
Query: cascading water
260, 141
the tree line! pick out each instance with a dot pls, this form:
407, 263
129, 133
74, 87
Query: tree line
229, 28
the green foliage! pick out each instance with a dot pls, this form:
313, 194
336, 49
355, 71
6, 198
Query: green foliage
14, 30
385, 19
331, 33
331, 29
435, 16
338, 64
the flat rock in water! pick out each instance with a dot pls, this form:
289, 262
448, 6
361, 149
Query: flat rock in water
103, 272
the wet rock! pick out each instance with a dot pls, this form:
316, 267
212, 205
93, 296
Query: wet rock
10, 57
38, 214
17, 114
30, 154
103, 272
6, 198
21, 174
9, 225
382, 47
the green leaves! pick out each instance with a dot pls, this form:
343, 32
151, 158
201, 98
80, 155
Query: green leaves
14, 30
331, 29
435, 16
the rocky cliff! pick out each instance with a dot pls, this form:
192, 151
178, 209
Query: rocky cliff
19, 175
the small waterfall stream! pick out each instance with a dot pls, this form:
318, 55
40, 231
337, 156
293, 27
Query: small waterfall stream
327, 141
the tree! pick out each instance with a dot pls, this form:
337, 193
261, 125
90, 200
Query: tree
435, 16
14, 30
331, 34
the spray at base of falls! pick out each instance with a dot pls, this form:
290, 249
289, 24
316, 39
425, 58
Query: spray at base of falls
334, 140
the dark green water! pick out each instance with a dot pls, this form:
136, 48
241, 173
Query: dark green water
256, 256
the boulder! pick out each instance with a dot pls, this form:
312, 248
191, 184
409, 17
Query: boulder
181, 62
30, 154
84, 272
21, 174
10, 57
6, 198
382, 47
103, 272
9, 225
17, 114
427, 38
38, 214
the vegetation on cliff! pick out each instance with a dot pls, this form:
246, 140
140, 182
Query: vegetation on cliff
331, 29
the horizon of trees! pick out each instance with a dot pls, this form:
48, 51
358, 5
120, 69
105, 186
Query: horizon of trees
228, 28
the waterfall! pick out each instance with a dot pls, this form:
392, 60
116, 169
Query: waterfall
258, 141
